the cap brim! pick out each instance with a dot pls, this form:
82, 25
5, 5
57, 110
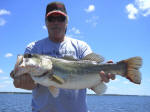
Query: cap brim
56, 12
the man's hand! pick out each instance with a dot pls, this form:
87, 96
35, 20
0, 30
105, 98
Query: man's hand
24, 81
107, 77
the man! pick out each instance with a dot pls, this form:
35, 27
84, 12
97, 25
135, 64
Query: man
57, 45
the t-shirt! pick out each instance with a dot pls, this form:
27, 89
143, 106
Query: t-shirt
68, 100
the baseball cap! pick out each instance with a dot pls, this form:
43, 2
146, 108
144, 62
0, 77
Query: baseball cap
56, 8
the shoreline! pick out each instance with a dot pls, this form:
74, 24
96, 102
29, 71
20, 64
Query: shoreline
87, 94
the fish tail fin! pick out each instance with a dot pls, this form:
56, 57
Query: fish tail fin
133, 73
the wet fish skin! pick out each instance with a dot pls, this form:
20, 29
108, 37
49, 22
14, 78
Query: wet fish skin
72, 74
82, 67
87, 67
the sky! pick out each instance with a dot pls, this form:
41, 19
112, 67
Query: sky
115, 29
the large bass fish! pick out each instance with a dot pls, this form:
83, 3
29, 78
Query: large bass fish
69, 73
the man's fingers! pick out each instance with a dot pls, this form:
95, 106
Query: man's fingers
19, 81
16, 83
107, 77
104, 76
24, 81
110, 61
111, 76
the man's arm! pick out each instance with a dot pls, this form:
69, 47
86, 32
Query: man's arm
24, 82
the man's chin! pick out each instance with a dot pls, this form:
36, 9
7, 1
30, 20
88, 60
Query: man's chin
57, 38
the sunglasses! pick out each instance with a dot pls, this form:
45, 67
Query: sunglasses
56, 18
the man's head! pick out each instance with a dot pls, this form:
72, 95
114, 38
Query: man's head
56, 20
56, 7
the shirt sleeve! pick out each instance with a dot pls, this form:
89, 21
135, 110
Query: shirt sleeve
32, 48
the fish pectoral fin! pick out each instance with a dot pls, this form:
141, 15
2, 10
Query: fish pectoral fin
57, 79
70, 58
94, 57
100, 88
54, 91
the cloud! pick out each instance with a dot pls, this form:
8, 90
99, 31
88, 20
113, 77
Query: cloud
2, 22
74, 36
8, 55
93, 20
148, 80
4, 12
132, 11
144, 6
2, 86
147, 13
74, 30
112, 88
1, 71
4, 78
74, 33
116, 80
139, 7
126, 82
5, 82
91, 8
44, 27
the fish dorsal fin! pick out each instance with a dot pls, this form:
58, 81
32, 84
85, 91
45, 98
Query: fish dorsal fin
54, 91
57, 79
70, 58
94, 57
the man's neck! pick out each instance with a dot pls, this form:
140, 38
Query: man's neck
57, 40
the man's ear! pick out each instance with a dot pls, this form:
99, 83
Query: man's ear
46, 23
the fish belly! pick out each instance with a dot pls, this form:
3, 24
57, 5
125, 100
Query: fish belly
81, 82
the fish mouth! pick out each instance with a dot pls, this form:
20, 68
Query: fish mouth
19, 61
12, 74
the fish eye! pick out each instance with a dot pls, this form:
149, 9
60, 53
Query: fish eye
27, 55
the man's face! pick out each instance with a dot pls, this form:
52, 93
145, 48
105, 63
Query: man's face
56, 25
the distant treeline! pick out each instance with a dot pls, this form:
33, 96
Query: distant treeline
87, 94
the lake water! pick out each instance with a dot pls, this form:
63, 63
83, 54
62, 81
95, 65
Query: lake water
22, 102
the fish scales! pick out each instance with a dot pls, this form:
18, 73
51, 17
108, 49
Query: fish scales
82, 67
57, 73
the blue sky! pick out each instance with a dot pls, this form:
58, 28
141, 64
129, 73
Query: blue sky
116, 29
